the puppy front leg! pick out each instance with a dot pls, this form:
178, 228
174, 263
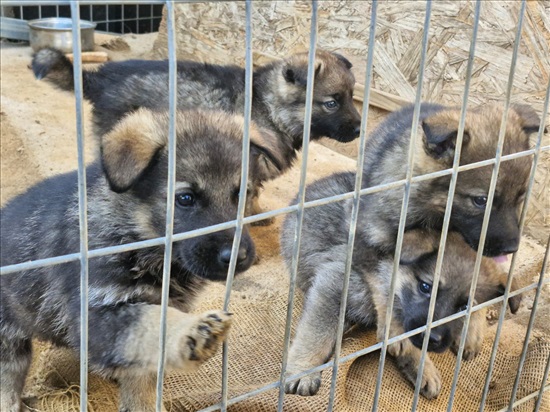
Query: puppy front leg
315, 337
408, 356
476, 334
124, 343
15, 359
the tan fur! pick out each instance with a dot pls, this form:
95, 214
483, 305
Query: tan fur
190, 341
141, 347
316, 332
129, 148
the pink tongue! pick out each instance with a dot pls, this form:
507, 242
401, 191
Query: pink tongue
501, 259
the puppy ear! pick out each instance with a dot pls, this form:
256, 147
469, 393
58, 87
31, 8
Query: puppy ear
295, 69
264, 147
346, 62
417, 244
530, 121
129, 149
440, 133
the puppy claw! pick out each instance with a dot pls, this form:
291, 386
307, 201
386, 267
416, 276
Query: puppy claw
205, 337
307, 386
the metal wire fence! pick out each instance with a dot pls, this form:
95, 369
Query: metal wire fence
142, 17
298, 209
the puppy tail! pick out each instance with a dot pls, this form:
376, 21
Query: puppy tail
52, 65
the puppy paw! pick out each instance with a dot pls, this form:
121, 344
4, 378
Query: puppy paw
472, 346
431, 382
307, 386
204, 338
398, 348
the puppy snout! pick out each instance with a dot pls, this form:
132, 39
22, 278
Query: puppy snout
438, 340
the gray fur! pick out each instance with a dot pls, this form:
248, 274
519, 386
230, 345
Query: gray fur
126, 203
279, 95
325, 232
320, 276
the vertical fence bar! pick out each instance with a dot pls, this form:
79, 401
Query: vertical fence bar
404, 205
522, 221
543, 386
301, 197
529, 328
170, 195
243, 190
82, 205
452, 189
355, 208
447, 217
490, 203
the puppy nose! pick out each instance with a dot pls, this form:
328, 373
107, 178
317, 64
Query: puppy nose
435, 338
225, 255
242, 255
510, 246
357, 130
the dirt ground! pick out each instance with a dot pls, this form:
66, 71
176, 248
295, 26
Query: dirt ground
38, 140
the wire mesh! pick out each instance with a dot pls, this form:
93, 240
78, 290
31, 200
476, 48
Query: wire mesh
84, 255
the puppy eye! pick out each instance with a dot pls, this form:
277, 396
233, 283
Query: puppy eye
479, 201
185, 199
463, 307
424, 288
331, 104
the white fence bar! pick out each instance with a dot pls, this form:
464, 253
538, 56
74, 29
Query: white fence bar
405, 204
82, 206
243, 190
170, 196
301, 198
356, 201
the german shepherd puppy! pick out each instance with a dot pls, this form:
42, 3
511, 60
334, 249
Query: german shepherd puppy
386, 160
320, 276
126, 203
279, 94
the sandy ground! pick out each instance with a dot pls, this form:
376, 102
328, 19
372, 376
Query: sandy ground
38, 140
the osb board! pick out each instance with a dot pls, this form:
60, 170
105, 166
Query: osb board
214, 32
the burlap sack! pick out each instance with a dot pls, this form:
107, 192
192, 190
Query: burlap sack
259, 301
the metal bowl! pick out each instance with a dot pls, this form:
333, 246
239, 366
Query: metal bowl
57, 32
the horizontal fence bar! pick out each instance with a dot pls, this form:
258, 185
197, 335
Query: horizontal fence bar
370, 349
526, 399
109, 250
